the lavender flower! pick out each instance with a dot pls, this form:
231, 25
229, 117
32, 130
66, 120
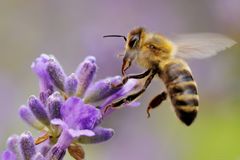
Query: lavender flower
78, 119
85, 74
63, 113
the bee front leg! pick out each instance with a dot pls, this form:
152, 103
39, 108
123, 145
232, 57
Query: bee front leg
132, 76
134, 96
156, 101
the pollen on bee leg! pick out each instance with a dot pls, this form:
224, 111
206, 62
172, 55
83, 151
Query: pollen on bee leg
41, 139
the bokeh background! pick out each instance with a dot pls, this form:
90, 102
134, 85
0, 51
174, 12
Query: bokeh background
73, 29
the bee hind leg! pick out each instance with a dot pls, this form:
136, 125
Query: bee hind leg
132, 76
156, 101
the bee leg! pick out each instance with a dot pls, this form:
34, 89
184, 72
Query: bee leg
134, 96
156, 101
114, 105
132, 76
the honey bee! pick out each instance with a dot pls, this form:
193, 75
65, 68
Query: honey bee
164, 57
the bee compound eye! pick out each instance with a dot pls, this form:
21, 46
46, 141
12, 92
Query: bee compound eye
133, 42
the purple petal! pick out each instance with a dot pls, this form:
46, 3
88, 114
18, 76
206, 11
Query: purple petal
78, 115
67, 136
56, 73
102, 89
71, 85
85, 74
65, 139
59, 122
54, 104
27, 145
39, 67
78, 133
8, 155
38, 110
27, 115
101, 135
71, 108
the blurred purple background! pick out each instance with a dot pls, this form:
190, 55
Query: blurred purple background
73, 29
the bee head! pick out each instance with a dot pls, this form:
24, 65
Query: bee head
132, 46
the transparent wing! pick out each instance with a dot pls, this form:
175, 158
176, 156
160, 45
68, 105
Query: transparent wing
201, 45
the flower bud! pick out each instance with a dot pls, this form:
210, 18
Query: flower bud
101, 135
27, 115
85, 74
102, 89
38, 110
27, 145
39, 67
54, 104
56, 73
71, 85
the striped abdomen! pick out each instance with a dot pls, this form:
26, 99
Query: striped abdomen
182, 89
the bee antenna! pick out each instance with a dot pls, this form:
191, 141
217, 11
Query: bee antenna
125, 39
